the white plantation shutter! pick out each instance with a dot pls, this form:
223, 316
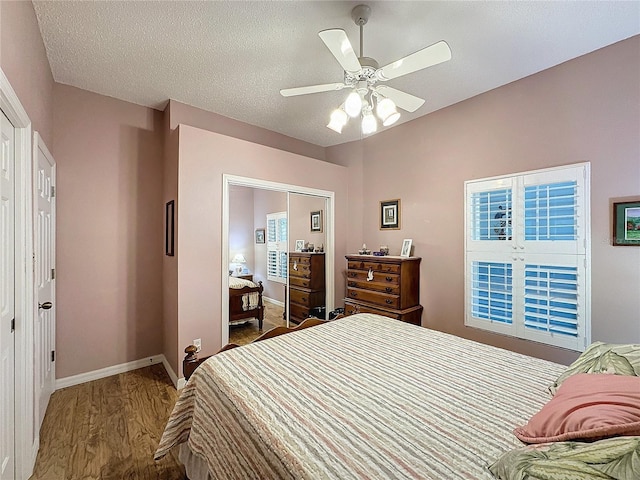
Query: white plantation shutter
277, 247
526, 250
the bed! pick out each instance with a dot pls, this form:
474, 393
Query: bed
329, 402
245, 301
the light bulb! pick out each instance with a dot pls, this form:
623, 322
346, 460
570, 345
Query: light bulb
338, 120
387, 112
353, 104
369, 124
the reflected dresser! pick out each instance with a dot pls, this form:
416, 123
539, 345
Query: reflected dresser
306, 284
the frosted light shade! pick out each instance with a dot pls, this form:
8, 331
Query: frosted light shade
369, 124
353, 104
338, 120
239, 258
387, 112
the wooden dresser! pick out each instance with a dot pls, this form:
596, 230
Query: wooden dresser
306, 284
388, 286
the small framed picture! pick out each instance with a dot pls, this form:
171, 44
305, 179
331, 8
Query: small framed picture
626, 224
260, 235
390, 214
169, 228
299, 245
316, 221
406, 247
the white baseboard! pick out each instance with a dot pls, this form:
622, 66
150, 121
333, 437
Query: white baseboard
172, 374
114, 370
271, 300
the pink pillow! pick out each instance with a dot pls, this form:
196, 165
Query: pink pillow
587, 406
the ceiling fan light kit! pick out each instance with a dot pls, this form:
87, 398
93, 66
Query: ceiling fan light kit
362, 74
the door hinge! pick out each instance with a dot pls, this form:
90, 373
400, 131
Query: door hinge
53, 191
13, 325
53, 355
53, 274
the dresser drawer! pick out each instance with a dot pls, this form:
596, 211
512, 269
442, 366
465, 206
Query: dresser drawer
304, 281
390, 288
307, 298
411, 315
302, 270
373, 265
299, 259
298, 312
378, 277
376, 298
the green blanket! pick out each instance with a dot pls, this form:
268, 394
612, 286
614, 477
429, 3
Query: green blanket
615, 458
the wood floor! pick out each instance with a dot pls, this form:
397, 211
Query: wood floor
247, 332
109, 429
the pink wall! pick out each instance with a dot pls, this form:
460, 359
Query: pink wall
24, 61
188, 115
241, 228
200, 187
110, 231
300, 208
587, 109
267, 201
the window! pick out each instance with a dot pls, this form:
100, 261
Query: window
277, 247
527, 259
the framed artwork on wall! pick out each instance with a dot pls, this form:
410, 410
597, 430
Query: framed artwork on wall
390, 214
406, 247
626, 224
169, 228
299, 245
316, 221
260, 235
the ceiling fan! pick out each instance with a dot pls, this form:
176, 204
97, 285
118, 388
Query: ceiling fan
362, 76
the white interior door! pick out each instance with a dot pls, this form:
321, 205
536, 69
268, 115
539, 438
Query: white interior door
7, 298
45, 230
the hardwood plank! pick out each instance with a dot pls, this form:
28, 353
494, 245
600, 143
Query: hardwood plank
52, 456
109, 429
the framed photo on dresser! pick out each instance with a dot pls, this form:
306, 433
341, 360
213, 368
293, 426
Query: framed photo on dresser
406, 247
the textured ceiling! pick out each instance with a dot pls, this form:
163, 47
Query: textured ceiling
233, 57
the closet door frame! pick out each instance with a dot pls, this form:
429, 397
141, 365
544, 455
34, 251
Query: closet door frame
329, 219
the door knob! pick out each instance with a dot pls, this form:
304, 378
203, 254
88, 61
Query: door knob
45, 305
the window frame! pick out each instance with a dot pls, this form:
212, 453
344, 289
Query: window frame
280, 246
522, 254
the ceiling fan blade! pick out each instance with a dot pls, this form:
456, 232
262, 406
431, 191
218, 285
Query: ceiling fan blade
404, 100
336, 40
327, 87
427, 57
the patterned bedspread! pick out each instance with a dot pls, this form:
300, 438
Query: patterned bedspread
250, 300
358, 398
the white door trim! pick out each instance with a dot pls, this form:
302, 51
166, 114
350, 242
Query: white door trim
227, 181
26, 437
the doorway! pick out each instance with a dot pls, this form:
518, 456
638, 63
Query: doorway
290, 195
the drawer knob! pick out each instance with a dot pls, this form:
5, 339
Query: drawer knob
352, 274
354, 294
389, 302
352, 284
304, 299
388, 289
388, 279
